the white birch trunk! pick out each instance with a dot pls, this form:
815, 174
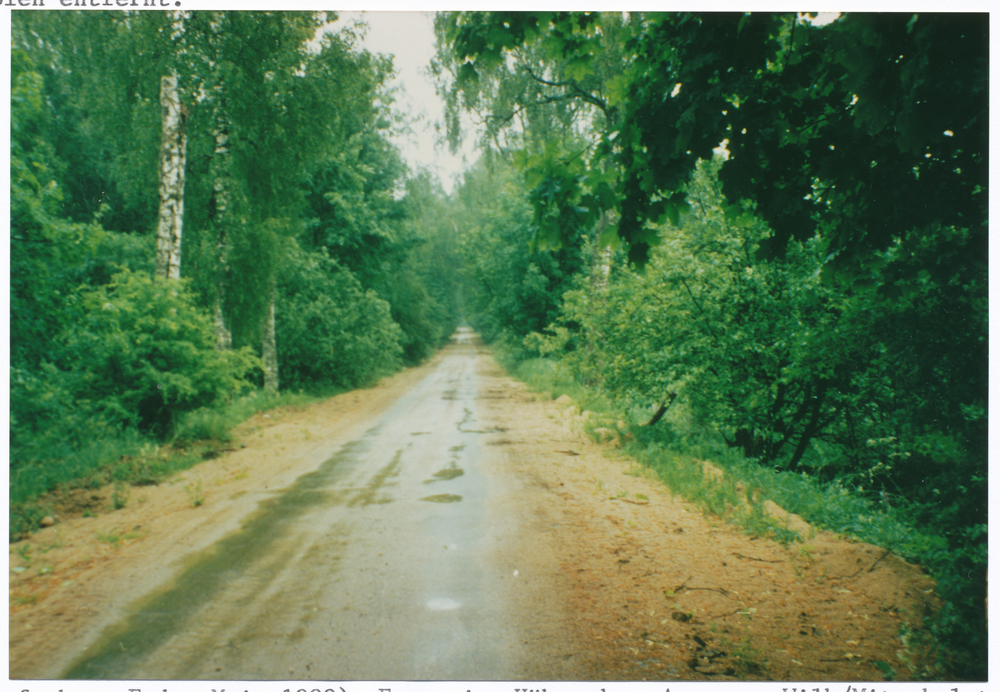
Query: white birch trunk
220, 218
223, 337
173, 150
600, 269
269, 348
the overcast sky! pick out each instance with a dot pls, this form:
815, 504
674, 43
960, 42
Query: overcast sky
409, 37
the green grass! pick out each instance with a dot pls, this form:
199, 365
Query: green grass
544, 375
218, 423
121, 495
129, 459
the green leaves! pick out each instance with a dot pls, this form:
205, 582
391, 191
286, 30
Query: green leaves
331, 330
874, 122
140, 353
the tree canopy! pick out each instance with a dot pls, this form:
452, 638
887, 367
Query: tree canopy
836, 128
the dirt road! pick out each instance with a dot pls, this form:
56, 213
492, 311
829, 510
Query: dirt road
443, 525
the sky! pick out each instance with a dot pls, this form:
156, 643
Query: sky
409, 37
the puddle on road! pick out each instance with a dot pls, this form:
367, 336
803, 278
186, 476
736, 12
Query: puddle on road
442, 498
468, 417
163, 614
447, 474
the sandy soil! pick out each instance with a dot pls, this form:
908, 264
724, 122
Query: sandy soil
669, 593
650, 587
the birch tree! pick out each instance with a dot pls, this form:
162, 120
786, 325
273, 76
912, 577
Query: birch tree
173, 150
268, 345
219, 211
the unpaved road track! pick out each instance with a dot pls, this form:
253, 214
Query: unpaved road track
444, 525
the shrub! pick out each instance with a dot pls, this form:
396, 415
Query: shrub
141, 353
330, 331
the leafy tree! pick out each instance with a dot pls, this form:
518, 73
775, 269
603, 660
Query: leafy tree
511, 289
365, 215
433, 264
354, 213
103, 124
862, 123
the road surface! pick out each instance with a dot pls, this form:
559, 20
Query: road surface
391, 560
446, 524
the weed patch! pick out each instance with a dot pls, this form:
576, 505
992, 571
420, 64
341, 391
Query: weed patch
115, 539
195, 494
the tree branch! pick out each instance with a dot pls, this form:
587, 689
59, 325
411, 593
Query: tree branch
583, 95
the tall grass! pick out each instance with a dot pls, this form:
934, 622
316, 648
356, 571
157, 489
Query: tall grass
217, 423
542, 374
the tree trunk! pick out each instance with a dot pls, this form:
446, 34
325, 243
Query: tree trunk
813, 427
173, 150
600, 276
219, 210
223, 337
269, 347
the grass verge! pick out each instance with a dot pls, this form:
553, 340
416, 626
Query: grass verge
133, 460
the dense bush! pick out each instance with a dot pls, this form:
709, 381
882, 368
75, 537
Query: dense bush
810, 373
140, 353
331, 331
134, 355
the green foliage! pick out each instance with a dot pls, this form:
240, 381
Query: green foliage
400, 248
510, 288
217, 422
874, 122
283, 111
332, 331
140, 353
135, 355
126, 458
542, 374
120, 496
